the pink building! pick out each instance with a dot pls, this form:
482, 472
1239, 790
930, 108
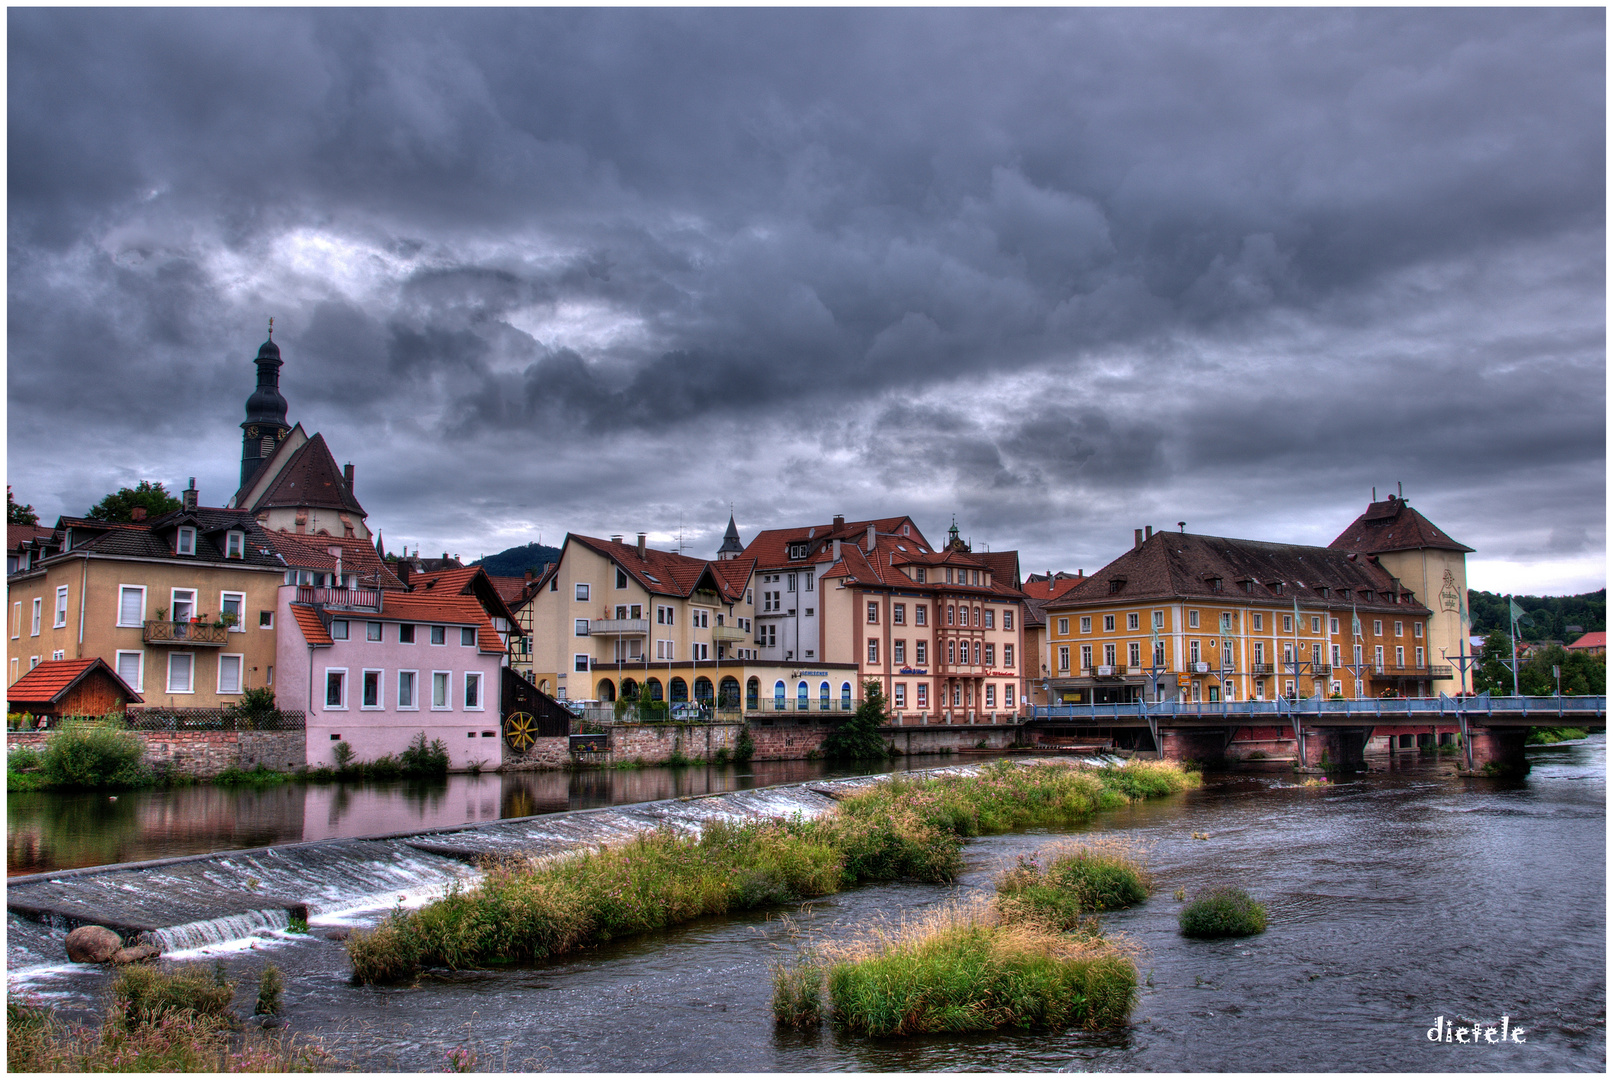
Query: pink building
375, 668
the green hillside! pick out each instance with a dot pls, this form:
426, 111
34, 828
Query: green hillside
515, 561
1548, 615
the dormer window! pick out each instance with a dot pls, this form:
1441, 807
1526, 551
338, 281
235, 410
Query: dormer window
1325, 591
185, 542
1215, 584
798, 551
1366, 594
234, 545
1116, 584
1277, 588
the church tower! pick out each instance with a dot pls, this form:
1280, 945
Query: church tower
731, 547
265, 425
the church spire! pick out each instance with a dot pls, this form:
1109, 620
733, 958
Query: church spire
265, 425
731, 547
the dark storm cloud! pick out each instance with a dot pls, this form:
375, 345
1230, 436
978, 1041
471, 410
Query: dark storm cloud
1052, 268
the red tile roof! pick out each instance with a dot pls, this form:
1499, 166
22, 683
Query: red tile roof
311, 552
455, 609
1392, 525
313, 631
666, 573
50, 679
18, 535
770, 548
1596, 639
882, 566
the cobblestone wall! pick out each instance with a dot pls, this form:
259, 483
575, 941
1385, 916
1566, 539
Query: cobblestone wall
204, 754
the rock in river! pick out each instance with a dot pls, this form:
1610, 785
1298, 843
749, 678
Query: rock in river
133, 954
92, 945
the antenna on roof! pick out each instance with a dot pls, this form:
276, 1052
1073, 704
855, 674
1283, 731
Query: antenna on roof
1374, 492
1401, 488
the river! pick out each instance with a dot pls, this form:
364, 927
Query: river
1396, 898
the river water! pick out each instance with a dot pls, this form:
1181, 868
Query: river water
51, 830
1395, 899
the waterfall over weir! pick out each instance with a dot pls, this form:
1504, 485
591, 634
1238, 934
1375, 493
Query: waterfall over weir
196, 901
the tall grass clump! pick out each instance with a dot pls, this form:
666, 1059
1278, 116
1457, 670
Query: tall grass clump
1545, 736
1222, 912
965, 968
1063, 886
798, 994
1148, 779
90, 755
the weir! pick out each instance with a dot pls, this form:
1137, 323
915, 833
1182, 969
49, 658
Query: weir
195, 901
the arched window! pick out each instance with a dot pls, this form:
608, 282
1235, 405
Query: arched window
801, 696
606, 691
629, 689
845, 696
823, 696
753, 692
680, 690
728, 692
655, 689
702, 689
778, 695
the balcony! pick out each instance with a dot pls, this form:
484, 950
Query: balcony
619, 627
1389, 671
1262, 669
1104, 671
340, 599
728, 634
162, 632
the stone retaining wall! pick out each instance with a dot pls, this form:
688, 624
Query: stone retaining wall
204, 754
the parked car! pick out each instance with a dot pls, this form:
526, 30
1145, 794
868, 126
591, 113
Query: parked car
691, 710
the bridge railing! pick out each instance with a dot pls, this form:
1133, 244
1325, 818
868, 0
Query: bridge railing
1444, 705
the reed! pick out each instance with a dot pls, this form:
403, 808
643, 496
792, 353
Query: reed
1064, 884
1222, 912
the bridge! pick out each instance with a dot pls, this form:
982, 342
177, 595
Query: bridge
1492, 728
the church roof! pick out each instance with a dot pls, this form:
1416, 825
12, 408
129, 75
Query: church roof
1392, 525
730, 539
310, 478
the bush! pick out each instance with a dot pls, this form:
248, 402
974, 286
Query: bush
346, 767
255, 707
89, 755
1222, 912
721, 756
1544, 736
259, 775
385, 767
24, 759
1072, 883
270, 986
420, 760
966, 970
745, 749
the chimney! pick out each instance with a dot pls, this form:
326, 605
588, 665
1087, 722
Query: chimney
1148, 532
616, 538
1136, 539
138, 514
529, 576
1181, 527
1080, 573
190, 495
347, 475
403, 571
870, 536
641, 538
840, 521
837, 549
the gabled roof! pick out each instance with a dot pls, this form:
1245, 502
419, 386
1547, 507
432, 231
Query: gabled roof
155, 539
1040, 590
770, 548
470, 581
51, 679
313, 630
1392, 525
19, 535
1186, 565
1596, 639
310, 478
665, 573
882, 566
305, 551
396, 606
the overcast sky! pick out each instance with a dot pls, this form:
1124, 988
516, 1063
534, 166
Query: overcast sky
1060, 273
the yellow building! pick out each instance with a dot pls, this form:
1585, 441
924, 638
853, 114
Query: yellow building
1206, 618
181, 607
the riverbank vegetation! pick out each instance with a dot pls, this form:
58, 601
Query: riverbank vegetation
1545, 736
158, 1020
80, 755
1222, 912
1061, 888
902, 827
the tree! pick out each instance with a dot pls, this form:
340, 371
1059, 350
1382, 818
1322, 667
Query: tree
120, 505
858, 738
19, 514
1493, 674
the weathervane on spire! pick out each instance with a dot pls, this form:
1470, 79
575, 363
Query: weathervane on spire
271, 326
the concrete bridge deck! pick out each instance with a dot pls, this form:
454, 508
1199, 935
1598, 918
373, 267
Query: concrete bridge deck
1486, 709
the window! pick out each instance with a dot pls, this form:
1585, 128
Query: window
16, 624
1132, 619
61, 605
977, 653
1064, 658
1337, 657
554, 584
977, 617
899, 614
1134, 654
181, 673
789, 582
131, 669
1008, 618
131, 605
663, 615
700, 650
873, 650
185, 542
873, 611
621, 581
950, 612
579, 662
406, 685
1377, 657
923, 690
991, 696
39, 607
372, 631
1288, 624
921, 652
1064, 628
406, 633
1259, 621
231, 607
1416, 629
1193, 619
1377, 628
899, 651
265, 620
921, 614
1316, 624
663, 649
1400, 627
582, 592
991, 654
952, 652
899, 695
234, 545
473, 690
809, 615
1109, 654
700, 619
338, 629
1109, 623
1332, 626
439, 635
808, 582
1086, 624
1086, 656
1260, 652
1421, 657
918, 576
371, 690
229, 673
335, 688
990, 617
440, 681
1400, 656
1008, 656
467, 635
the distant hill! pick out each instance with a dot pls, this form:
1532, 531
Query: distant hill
515, 561
1548, 615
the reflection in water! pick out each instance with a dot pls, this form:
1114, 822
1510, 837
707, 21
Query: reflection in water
51, 831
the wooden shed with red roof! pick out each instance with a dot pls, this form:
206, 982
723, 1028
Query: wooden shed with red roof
70, 688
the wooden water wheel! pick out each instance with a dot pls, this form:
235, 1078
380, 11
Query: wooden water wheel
520, 731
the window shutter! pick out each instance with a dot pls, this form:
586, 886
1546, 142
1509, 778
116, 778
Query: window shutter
130, 609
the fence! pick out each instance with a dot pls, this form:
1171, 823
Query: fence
166, 719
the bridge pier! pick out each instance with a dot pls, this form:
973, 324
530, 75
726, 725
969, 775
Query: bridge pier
1204, 745
1499, 751
1336, 748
